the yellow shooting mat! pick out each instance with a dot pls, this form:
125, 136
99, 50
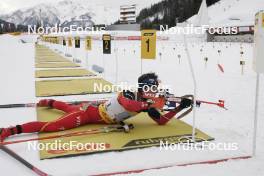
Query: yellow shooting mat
42, 48
56, 65
52, 61
56, 59
45, 53
62, 73
145, 134
70, 87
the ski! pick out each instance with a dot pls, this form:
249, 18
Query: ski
107, 129
32, 105
22, 161
113, 128
136, 171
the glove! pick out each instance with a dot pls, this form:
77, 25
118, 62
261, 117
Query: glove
185, 103
152, 112
129, 95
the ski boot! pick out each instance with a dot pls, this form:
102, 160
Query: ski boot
4, 133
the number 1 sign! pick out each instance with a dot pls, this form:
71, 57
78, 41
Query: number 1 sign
148, 44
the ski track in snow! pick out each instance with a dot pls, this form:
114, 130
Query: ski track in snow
234, 125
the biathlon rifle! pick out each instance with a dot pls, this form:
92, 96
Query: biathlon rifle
168, 102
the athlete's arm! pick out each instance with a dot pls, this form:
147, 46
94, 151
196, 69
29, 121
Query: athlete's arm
127, 100
162, 119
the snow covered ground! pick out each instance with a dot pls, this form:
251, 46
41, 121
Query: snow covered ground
233, 12
232, 126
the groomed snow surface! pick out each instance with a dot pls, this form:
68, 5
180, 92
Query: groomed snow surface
234, 125
233, 12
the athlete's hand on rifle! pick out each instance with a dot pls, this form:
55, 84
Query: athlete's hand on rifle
185, 103
157, 102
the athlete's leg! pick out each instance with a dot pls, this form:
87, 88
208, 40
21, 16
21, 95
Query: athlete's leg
68, 121
58, 105
91, 115
65, 107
